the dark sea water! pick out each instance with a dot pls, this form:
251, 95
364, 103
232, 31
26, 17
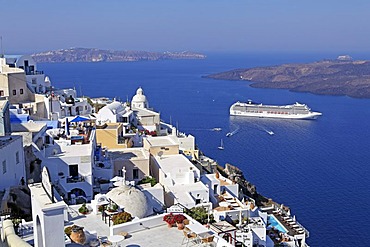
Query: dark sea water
319, 168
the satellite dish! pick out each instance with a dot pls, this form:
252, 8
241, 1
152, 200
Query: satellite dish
160, 154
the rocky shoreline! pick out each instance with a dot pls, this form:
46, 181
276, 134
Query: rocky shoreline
74, 55
327, 77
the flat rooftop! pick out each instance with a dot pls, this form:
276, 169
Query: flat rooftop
159, 141
128, 153
5, 140
144, 112
28, 127
154, 236
170, 163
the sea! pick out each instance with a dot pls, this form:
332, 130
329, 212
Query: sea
319, 168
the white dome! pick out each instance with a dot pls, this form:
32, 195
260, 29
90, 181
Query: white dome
130, 199
139, 99
115, 107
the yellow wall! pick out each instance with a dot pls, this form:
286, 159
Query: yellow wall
108, 137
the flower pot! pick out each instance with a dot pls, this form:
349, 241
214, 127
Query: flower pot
180, 226
78, 235
169, 225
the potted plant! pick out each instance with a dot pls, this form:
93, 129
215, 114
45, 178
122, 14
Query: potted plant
112, 207
169, 219
101, 208
83, 209
77, 234
179, 219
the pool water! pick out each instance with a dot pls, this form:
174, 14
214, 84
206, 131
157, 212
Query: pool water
272, 222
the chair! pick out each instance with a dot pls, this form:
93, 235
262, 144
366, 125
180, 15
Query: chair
208, 240
189, 237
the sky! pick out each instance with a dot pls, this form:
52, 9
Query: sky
193, 25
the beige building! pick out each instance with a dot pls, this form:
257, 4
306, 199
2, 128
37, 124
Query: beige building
13, 84
111, 136
135, 162
161, 145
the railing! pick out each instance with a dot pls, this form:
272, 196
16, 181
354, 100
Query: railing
35, 72
75, 179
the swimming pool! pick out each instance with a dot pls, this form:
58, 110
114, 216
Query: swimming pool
273, 222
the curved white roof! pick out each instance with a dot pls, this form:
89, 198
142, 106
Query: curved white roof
115, 107
139, 97
130, 199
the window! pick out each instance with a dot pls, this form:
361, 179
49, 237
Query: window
4, 166
135, 173
17, 157
14, 92
21, 91
1, 92
73, 171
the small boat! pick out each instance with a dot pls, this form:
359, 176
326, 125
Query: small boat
221, 147
229, 134
270, 132
216, 129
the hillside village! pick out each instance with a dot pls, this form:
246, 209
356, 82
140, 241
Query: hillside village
79, 171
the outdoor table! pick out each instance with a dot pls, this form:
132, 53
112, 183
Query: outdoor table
115, 239
109, 214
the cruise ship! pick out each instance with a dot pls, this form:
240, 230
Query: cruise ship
251, 109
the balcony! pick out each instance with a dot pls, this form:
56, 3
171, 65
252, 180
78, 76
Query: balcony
75, 179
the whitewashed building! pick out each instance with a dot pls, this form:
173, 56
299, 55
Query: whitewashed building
12, 166
115, 112
36, 79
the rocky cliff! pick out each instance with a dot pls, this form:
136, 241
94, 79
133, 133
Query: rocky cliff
97, 55
331, 77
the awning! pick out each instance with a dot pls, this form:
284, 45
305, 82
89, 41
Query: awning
79, 119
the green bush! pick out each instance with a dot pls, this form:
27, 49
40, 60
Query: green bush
150, 180
120, 218
200, 214
68, 230
83, 209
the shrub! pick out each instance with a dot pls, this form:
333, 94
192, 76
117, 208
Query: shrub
120, 218
112, 207
150, 180
68, 230
101, 208
200, 214
83, 209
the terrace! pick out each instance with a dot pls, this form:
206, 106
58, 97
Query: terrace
151, 231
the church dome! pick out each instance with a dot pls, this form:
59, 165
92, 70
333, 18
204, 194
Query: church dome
130, 199
139, 100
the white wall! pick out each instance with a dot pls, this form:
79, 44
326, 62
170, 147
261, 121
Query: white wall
14, 171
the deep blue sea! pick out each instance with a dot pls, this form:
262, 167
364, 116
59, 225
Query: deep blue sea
319, 168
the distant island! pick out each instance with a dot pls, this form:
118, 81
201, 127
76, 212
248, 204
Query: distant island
342, 76
73, 55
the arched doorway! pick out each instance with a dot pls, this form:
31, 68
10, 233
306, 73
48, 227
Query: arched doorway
78, 195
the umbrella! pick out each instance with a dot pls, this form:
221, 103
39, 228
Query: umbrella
67, 128
79, 119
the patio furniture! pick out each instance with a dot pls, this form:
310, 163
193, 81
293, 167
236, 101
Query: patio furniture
116, 239
207, 241
189, 238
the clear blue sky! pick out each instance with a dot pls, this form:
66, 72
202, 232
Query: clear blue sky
176, 25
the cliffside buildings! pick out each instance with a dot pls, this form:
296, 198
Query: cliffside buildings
123, 155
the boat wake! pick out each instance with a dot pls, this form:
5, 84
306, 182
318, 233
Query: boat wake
229, 134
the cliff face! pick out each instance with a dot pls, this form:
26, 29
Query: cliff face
97, 55
334, 77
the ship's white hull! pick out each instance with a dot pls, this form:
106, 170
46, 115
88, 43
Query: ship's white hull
312, 115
